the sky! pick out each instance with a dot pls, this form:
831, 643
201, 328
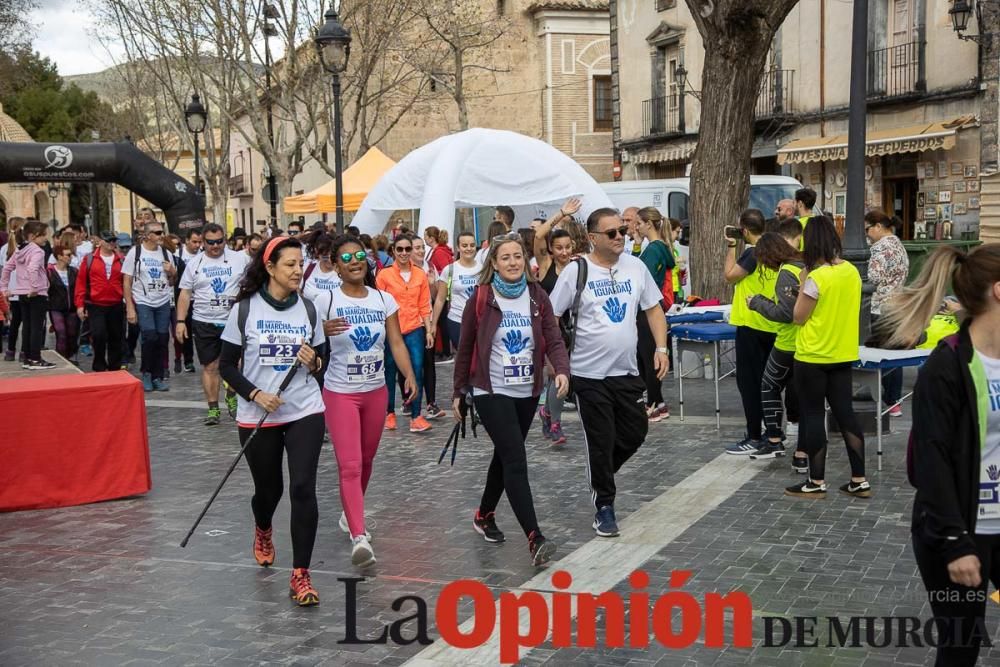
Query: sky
61, 35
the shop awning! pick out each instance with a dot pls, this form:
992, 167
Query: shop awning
359, 179
679, 152
912, 139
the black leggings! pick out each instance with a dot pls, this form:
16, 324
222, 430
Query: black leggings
647, 371
960, 607
507, 421
303, 439
832, 382
778, 379
33, 310
752, 349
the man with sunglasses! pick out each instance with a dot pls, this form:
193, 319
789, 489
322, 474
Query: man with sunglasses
605, 372
211, 280
149, 276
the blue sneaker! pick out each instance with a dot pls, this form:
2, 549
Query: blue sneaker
744, 447
605, 524
161, 385
86, 350
546, 422
147, 382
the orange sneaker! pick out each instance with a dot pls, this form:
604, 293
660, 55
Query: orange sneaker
263, 547
419, 425
390, 421
301, 589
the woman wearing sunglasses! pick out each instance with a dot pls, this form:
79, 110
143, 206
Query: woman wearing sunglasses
508, 330
409, 286
360, 320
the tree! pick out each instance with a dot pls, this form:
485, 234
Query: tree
737, 35
16, 29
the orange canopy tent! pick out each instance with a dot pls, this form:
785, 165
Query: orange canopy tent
358, 180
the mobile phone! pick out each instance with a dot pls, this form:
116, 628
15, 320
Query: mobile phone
734, 233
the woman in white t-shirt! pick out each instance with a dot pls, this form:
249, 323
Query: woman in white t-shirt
320, 275
455, 284
359, 319
272, 329
508, 330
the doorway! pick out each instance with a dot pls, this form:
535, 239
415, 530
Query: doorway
899, 198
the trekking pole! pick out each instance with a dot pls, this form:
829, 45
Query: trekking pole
232, 466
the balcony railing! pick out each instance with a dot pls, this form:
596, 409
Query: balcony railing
895, 71
239, 185
777, 93
661, 115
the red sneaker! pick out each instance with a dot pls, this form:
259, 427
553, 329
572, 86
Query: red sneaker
301, 589
263, 547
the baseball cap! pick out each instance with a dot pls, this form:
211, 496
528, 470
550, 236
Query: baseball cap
109, 237
124, 240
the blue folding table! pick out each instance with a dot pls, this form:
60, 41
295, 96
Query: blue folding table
702, 338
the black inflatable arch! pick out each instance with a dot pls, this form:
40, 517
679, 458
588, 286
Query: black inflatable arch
120, 163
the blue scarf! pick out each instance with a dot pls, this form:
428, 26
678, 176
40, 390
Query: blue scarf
509, 290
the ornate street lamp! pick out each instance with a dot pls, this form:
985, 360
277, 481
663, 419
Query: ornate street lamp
680, 77
961, 12
196, 118
333, 45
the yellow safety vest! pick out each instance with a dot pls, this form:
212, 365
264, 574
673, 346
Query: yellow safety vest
830, 335
787, 332
761, 281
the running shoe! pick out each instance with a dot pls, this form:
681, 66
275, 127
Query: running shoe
189, 367
653, 414
433, 411
362, 554
147, 382
768, 450
800, 464
487, 527
301, 589
546, 418
369, 524
177, 366
896, 411
232, 405
857, 489
86, 350
569, 405
558, 438
541, 549
807, 489
744, 447
664, 410
9, 355
390, 421
605, 524
263, 547
213, 416
160, 384
418, 425
38, 365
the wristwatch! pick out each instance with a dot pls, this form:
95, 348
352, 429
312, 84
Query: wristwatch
661, 350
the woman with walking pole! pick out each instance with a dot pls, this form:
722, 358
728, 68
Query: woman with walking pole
271, 328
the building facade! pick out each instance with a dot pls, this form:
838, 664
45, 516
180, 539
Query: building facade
931, 155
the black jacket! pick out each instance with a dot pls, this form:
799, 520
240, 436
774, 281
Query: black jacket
946, 450
60, 299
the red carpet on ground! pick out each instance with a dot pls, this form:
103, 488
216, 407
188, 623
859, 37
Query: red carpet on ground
72, 439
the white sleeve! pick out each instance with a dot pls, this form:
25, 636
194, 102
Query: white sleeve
187, 280
231, 334
564, 292
649, 293
128, 264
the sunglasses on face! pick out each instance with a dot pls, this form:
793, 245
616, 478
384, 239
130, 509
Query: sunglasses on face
293, 232
612, 234
404, 248
214, 241
359, 255
157, 233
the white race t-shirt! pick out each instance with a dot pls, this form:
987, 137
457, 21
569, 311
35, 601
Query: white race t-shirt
988, 522
320, 282
463, 284
512, 365
606, 335
12, 284
83, 249
357, 356
150, 286
273, 339
186, 256
63, 276
214, 283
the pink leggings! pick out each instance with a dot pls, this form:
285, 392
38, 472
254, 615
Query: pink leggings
355, 423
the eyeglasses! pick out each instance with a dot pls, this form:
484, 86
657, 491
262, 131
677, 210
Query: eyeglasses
359, 255
214, 241
404, 248
612, 234
155, 233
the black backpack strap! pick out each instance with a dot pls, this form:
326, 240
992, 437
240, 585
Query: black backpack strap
574, 311
311, 312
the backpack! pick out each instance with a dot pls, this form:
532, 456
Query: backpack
309, 270
911, 476
569, 319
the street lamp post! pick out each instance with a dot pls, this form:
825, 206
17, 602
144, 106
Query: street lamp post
196, 118
54, 189
333, 44
680, 76
270, 13
988, 18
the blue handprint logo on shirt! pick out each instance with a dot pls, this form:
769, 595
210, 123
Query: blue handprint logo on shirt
993, 472
615, 309
469, 291
155, 273
515, 342
363, 339
218, 285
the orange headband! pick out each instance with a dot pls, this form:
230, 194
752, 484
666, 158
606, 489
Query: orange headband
271, 245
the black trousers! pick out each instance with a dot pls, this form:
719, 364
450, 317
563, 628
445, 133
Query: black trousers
507, 421
15, 327
959, 611
753, 347
831, 383
131, 340
303, 440
614, 425
107, 326
33, 310
777, 379
645, 354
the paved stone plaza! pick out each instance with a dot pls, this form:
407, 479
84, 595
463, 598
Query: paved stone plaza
107, 584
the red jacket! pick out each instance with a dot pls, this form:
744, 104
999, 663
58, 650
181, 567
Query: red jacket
472, 361
102, 290
441, 257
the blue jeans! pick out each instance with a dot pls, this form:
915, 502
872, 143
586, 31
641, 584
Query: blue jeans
154, 327
415, 342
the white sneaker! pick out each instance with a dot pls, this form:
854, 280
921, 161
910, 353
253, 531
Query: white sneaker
792, 430
369, 523
362, 554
